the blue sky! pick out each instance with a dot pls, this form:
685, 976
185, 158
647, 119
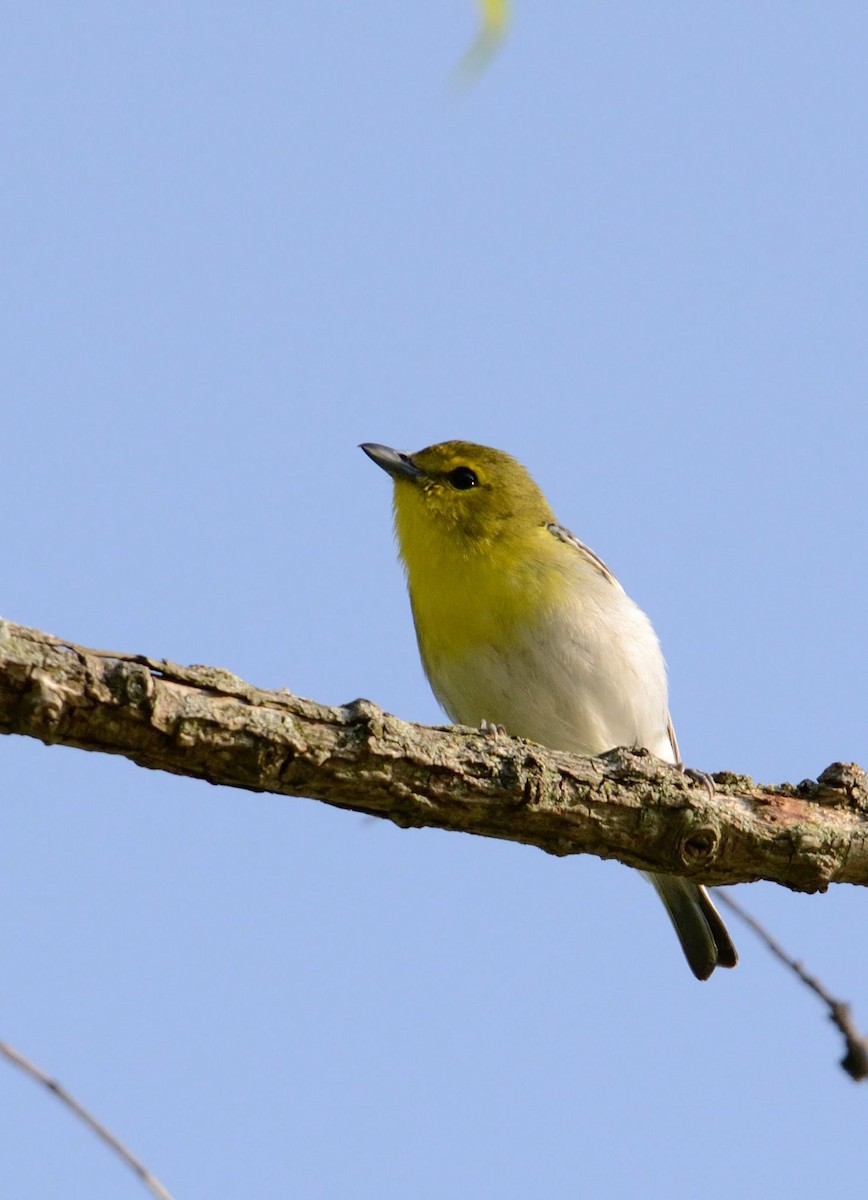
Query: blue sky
235, 244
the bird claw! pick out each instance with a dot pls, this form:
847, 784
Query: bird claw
700, 778
490, 729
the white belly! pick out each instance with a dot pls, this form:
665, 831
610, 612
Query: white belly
586, 679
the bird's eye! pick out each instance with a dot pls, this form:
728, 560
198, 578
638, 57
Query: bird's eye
462, 478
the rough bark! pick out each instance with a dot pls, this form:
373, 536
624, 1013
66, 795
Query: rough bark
206, 723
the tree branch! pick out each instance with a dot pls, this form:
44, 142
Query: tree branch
30, 1068
205, 723
855, 1060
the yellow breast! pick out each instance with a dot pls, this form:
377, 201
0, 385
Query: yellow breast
468, 596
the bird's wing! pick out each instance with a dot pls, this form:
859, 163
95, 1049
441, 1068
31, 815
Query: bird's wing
563, 534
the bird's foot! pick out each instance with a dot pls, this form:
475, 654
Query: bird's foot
700, 778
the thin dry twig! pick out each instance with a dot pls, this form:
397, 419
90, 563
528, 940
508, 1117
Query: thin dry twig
855, 1061
31, 1069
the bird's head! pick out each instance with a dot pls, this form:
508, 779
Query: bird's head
456, 499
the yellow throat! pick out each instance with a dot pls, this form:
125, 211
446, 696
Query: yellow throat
471, 529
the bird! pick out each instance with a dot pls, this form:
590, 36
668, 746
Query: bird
521, 627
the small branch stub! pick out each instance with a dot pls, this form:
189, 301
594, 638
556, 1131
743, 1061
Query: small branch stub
698, 848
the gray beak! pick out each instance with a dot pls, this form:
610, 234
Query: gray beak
393, 462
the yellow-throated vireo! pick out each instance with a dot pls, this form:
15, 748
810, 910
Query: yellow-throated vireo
520, 625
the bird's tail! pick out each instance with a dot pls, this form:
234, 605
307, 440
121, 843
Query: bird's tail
703, 935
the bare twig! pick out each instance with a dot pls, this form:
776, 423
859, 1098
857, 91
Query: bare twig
855, 1061
31, 1069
